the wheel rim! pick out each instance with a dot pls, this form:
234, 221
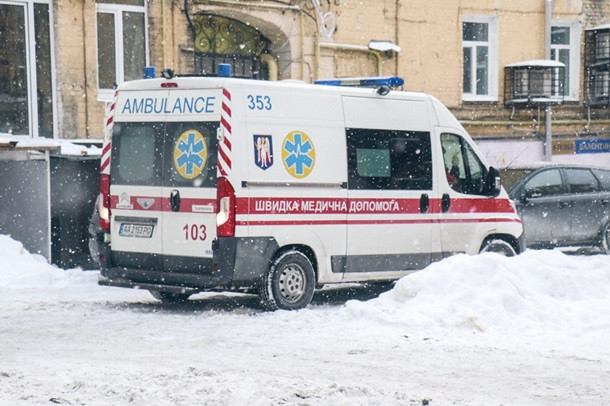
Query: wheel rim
292, 283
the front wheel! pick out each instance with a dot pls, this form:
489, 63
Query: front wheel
499, 246
169, 297
289, 283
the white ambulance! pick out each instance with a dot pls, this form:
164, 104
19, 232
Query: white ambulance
216, 183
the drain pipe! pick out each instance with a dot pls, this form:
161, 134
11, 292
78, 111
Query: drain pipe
271, 66
548, 137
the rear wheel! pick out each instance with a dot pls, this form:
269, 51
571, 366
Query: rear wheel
170, 297
499, 246
289, 283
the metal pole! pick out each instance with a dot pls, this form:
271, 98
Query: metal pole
548, 138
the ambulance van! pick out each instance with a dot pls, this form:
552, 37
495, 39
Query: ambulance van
279, 188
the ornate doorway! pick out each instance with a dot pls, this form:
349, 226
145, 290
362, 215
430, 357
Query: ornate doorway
224, 40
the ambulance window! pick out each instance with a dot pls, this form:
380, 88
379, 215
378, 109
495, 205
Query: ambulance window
135, 151
384, 159
190, 155
464, 170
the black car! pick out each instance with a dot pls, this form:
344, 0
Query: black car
562, 205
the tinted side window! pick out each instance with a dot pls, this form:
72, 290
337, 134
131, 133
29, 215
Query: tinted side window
190, 155
464, 170
546, 183
581, 181
384, 159
136, 148
603, 177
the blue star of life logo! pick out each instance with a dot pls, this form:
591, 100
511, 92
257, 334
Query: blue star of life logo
190, 154
298, 154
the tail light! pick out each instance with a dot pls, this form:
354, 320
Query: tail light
225, 219
104, 204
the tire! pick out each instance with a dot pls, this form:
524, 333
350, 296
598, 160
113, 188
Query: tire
170, 297
498, 246
606, 239
289, 283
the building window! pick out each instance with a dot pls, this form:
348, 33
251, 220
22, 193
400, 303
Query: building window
602, 46
26, 84
601, 81
565, 48
480, 58
122, 40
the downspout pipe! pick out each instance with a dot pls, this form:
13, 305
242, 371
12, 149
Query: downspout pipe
271, 66
548, 114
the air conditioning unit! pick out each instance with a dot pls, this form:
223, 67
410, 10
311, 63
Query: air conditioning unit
534, 82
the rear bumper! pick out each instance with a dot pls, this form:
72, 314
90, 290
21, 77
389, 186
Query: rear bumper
237, 263
123, 283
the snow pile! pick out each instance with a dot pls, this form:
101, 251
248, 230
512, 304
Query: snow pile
20, 269
537, 290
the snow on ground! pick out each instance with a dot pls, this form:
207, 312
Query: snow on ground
484, 330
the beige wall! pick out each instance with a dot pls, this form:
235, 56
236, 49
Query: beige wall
428, 31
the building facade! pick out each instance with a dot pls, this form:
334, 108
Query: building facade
61, 59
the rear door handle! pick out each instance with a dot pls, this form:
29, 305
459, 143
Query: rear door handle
424, 203
174, 200
445, 202
563, 205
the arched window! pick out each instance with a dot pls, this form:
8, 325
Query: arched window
224, 40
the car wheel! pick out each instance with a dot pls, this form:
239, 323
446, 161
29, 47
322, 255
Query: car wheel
289, 283
606, 239
499, 246
170, 297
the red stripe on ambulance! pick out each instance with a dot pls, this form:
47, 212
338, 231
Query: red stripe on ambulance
224, 147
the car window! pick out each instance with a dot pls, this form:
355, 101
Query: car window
603, 177
136, 148
581, 181
545, 183
389, 159
464, 170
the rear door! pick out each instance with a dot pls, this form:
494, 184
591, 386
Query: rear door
137, 221
189, 196
587, 204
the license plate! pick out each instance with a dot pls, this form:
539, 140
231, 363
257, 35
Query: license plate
136, 230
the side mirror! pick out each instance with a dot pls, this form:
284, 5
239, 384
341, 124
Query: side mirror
530, 194
493, 183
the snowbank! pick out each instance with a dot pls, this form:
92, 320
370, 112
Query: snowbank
20, 269
538, 290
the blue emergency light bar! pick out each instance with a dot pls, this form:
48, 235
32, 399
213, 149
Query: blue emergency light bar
392, 81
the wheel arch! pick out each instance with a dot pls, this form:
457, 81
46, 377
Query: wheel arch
514, 242
302, 248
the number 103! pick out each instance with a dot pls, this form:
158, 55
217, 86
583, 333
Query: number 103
195, 232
